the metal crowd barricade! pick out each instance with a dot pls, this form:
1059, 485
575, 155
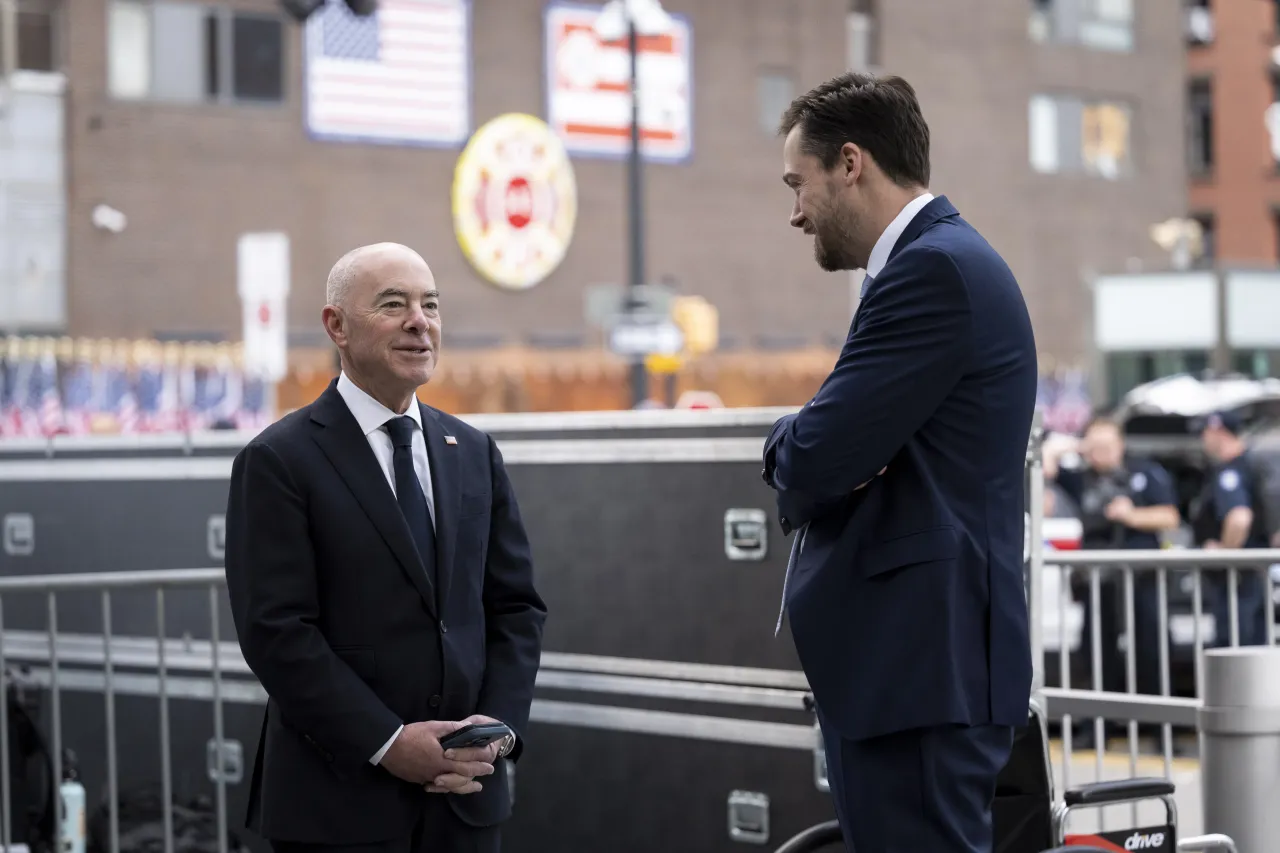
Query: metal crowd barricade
1067, 702
106, 583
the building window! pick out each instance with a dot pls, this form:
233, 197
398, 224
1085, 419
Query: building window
1256, 363
1275, 220
1208, 240
861, 46
1127, 370
774, 89
1072, 135
1097, 24
1200, 126
1271, 116
1199, 22
192, 53
38, 35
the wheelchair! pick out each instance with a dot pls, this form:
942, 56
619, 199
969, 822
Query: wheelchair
1028, 818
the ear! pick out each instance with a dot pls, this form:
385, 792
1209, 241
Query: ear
853, 157
334, 325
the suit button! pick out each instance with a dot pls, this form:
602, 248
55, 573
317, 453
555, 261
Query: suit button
434, 701
443, 628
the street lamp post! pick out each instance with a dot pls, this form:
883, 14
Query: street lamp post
634, 18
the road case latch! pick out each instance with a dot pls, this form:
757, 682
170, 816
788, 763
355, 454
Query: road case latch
217, 537
820, 761
749, 817
19, 534
230, 765
746, 535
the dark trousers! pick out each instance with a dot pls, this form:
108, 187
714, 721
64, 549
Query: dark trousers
438, 831
919, 790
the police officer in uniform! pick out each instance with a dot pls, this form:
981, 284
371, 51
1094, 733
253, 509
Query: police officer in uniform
1230, 515
1126, 501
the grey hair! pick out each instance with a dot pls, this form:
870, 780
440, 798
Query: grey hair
341, 277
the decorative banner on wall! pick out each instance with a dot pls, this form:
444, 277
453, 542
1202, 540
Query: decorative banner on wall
401, 75
588, 87
515, 201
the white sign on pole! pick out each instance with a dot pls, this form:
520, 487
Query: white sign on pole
630, 338
589, 86
263, 283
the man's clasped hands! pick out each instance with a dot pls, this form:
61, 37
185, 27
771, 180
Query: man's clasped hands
417, 756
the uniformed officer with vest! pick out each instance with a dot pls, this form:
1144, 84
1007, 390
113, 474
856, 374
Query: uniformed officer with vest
1229, 514
1125, 502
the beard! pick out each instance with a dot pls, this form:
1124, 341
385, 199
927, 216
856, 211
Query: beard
833, 241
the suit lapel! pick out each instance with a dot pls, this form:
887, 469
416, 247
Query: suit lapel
448, 496
347, 449
937, 209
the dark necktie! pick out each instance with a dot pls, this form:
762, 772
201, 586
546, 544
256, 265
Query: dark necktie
413, 503
866, 282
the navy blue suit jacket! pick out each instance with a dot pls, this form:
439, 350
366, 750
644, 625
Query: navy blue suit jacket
351, 637
907, 602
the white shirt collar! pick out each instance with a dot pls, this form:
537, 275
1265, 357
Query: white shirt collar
880, 251
368, 412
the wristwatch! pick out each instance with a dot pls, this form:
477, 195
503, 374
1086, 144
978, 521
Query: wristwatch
508, 743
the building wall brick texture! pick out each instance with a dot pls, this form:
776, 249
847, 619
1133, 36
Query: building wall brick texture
191, 179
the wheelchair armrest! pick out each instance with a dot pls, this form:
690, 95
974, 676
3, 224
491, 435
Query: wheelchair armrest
1119, 790
1076, 848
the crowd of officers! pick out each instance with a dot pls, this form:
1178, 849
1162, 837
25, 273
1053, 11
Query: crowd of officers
1127, 501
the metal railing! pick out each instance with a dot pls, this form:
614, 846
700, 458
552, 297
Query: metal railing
1146, 575
106, 583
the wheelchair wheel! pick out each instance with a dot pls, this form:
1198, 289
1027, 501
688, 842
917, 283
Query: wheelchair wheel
822, 838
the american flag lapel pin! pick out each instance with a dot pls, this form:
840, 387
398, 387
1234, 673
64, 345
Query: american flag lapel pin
448, 439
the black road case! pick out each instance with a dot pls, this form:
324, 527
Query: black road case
667, 714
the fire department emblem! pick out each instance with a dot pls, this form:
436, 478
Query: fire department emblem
514, 201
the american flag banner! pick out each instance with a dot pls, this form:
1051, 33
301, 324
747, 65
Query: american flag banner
224, 411
254, 414
78, 397
150, 390
51, 416
24, 419
20, 417
1065, 399
6, 393
400, 75
122, 401
167, 416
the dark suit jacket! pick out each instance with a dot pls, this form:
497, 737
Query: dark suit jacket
907, 602
339, 622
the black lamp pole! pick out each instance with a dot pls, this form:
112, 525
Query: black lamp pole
635, 211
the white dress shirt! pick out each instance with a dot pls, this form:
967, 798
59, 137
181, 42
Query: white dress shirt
880, 251
372, 417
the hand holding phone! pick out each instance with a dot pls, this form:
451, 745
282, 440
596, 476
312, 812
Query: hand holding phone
475, 735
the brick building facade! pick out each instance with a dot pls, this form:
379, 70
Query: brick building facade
1234, 79
1057, 131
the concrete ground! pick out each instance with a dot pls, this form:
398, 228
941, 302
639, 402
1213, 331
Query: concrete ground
1116, 764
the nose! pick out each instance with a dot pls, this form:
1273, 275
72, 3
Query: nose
416, 322
797, 217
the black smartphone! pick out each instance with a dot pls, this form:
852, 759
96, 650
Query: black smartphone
476, 734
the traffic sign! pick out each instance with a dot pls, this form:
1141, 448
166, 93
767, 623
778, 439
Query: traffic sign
661, 364
631, 338
605, 302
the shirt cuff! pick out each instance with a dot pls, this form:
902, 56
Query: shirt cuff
377, 756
